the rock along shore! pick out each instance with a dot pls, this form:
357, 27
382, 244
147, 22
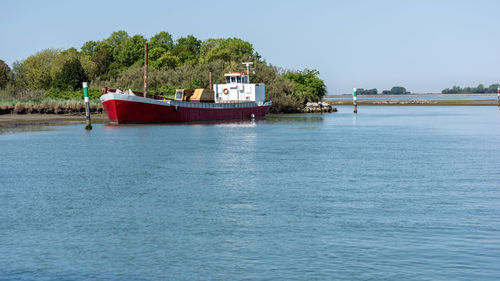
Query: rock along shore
319, 107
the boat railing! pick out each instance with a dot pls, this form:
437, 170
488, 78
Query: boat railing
140, 94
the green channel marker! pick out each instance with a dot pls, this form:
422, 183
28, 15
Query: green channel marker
88, 123
354, 101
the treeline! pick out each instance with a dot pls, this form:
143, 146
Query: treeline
393, 91
480, 89
117, 61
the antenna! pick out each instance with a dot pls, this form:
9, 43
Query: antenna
248, 69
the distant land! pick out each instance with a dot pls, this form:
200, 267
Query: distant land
398, 90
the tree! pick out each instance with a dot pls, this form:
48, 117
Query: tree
307, 84
479, 89
187, 49
116, 41
361, 91
163, 40
60, 60
230, 49
398, 90
133, 50
34, 72
5, 74
71, 76
103, 58
89, 48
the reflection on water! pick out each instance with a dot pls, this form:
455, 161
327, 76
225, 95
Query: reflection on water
297, 118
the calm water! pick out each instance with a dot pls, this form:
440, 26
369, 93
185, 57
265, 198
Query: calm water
418, 97
394, 193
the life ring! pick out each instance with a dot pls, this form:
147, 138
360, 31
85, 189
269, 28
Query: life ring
225, 91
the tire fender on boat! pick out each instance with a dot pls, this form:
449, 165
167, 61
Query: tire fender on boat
176, 108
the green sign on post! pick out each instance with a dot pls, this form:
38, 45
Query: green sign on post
88, 123
354, 98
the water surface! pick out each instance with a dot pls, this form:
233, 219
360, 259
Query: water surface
392, 193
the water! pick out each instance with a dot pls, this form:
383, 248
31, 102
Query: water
418, 97
393, 193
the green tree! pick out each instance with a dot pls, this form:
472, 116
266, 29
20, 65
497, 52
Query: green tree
133, 50
230, 49
34, 72
102, 57
165, 61
89, 48
493, 88
60, 60
163, 40
479, 89
5, 74
116, 42
71, 76
187, 49
361, 91
307, 84
398, 90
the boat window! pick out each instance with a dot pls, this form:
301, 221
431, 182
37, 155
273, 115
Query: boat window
233, 79
178, 95
238, 79
228, 79
244, 79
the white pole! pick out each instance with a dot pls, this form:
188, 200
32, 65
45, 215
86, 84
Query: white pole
354, 102
88, 123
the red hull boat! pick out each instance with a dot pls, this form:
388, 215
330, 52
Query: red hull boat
238, 99
129, 108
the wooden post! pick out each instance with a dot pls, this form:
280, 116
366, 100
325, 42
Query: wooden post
210, 80
88, 123
145, 68
354, 102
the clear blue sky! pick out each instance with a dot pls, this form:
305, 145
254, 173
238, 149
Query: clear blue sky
423, 45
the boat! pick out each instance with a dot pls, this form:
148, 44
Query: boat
237, 99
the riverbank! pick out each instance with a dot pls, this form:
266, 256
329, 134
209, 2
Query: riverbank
26, 121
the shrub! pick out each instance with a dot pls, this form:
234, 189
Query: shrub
71, 76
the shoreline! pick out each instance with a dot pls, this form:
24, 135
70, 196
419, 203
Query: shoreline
417, 102
13, 121
414, 95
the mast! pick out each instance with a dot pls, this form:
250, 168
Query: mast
210, 80
248, 69
145, 68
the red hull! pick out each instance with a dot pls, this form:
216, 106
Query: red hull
123, 111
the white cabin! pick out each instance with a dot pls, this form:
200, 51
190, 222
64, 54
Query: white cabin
239, 89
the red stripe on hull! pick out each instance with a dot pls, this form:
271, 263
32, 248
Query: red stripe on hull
121, 111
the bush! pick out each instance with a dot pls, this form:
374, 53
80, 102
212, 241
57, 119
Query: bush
307, 84
71, 76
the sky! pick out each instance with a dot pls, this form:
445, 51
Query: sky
422, 45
